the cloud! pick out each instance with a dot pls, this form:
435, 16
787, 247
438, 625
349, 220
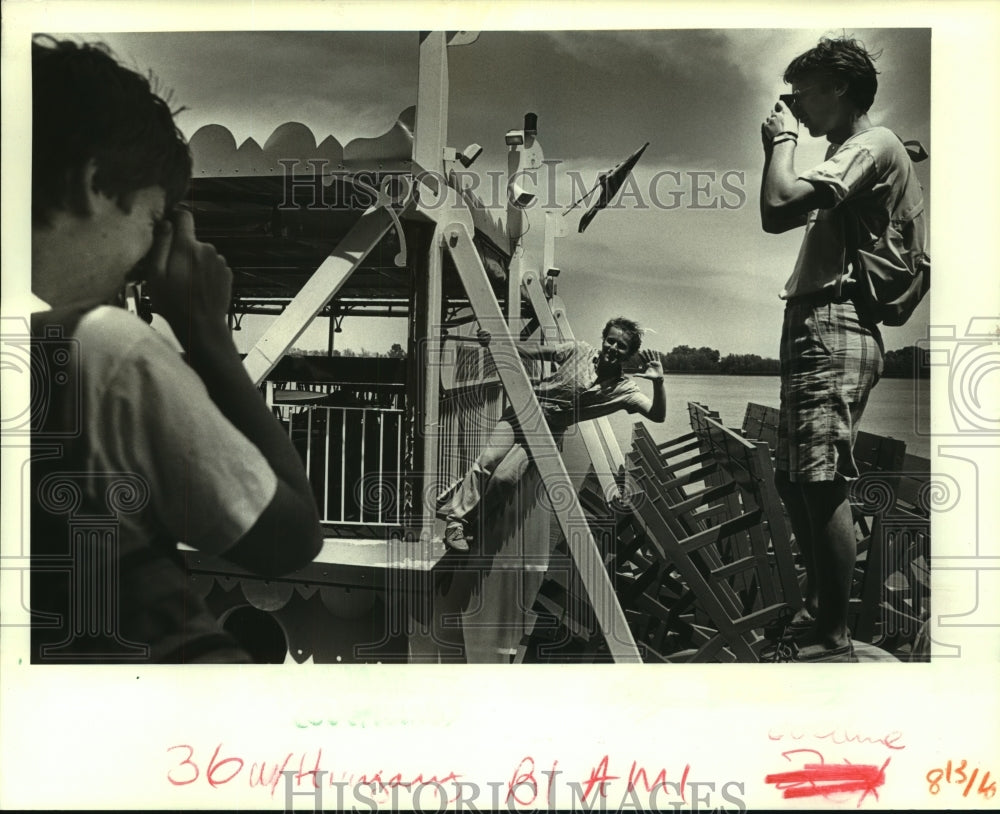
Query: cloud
346, 84
596, 92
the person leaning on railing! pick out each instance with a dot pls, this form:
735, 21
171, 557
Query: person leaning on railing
587, 383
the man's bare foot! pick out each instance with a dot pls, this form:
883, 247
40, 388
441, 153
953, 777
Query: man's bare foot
803, 616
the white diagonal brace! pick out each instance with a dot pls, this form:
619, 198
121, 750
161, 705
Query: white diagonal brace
617, 457
533, 285
590, 431
546, 457
321, 287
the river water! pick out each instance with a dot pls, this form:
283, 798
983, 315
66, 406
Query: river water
896, 408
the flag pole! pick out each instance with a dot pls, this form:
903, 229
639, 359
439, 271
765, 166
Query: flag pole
609, 182
586, 194
600, 178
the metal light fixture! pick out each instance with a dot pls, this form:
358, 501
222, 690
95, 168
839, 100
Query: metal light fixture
469, 155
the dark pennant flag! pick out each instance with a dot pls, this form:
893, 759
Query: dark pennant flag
610, 182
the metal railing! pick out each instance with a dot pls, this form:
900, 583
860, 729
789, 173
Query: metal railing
354, 450
354, 458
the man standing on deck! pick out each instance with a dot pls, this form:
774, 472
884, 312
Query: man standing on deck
831, 354
124, 431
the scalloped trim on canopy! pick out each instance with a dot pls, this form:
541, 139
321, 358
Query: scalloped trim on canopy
216, 155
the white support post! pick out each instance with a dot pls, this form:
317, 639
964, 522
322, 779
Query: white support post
429, 141
517, 224
430, 132
546, 457
525, 226
555, 226
318, 290
430, 358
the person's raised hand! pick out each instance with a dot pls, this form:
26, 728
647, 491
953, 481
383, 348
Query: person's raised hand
190, 284
653, 365
780, 120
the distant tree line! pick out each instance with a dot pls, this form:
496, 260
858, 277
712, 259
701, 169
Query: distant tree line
685, 359
905, 363
395, 352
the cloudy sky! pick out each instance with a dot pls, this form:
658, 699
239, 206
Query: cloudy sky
696, 268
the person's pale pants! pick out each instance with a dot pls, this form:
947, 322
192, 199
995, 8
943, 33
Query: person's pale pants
495, 474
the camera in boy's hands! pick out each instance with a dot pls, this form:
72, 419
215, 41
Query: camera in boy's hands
189, 281
788, 100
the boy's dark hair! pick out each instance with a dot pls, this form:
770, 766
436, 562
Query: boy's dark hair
844, 59
630, 328
85, 105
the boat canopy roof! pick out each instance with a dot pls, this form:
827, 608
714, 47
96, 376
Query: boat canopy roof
275, 212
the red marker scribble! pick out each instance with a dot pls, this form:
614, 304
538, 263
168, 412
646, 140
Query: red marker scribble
827, 779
